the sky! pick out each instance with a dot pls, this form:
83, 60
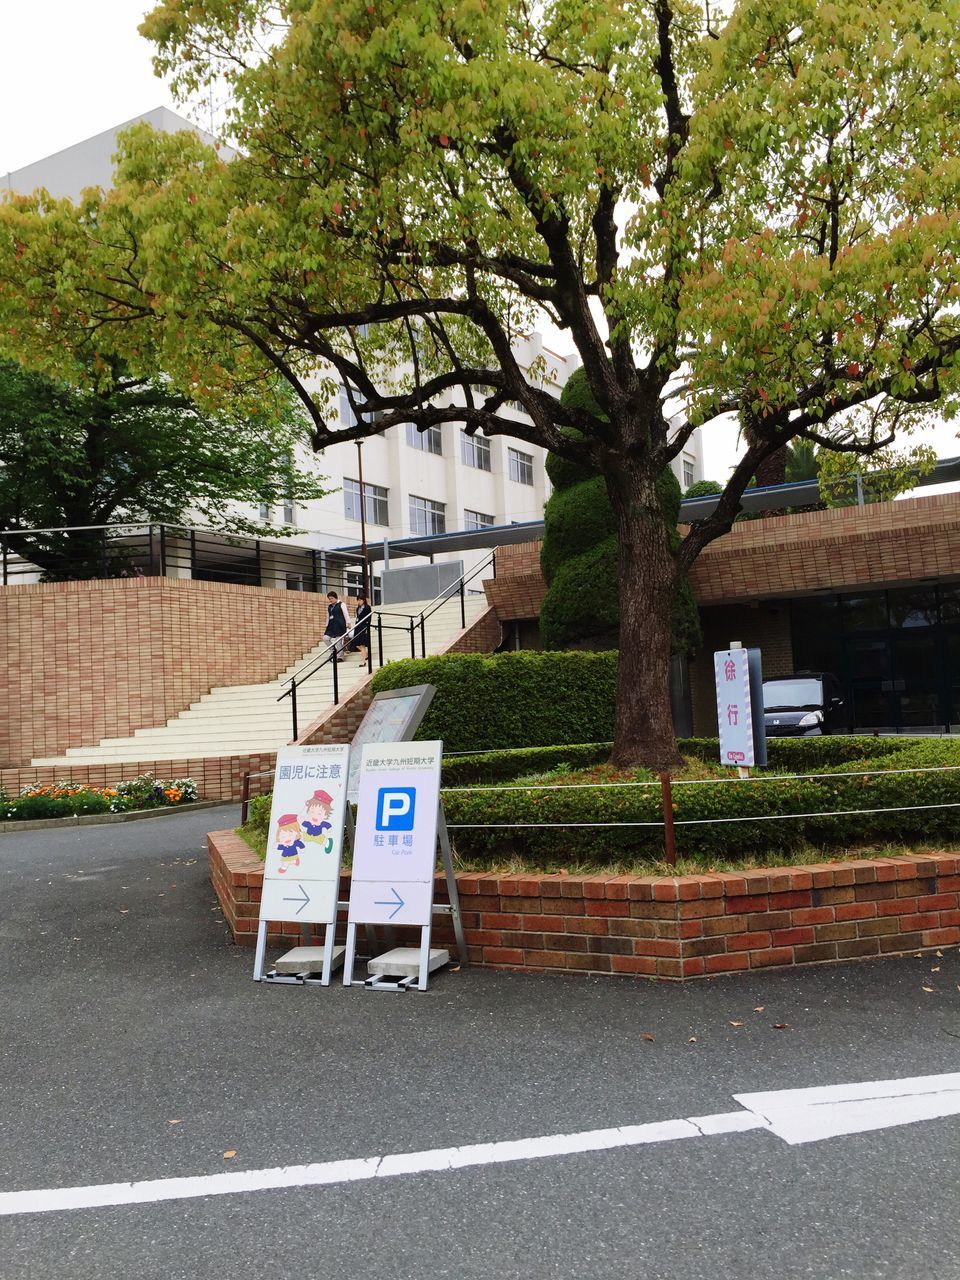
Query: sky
69, 70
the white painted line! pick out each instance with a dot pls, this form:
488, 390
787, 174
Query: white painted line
795, 1115
809, 1115
337, 1171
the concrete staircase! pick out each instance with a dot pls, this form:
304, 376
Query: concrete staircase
244, 719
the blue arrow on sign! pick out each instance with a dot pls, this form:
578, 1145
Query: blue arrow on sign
303, 901
397, 902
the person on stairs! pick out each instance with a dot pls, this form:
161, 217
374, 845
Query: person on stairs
361, 628
337, 622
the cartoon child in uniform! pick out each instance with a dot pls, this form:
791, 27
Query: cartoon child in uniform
289, 843
317, 823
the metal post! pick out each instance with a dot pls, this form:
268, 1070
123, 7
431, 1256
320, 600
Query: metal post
453, 894
363, 518
244, 799
313, 570
261, 950
293, 709
413, 639
336, 682
193, 553
669, 839
423, 636
150, 546
380, 639
5, 571
463, 603
493, 561
259, 562
163, 551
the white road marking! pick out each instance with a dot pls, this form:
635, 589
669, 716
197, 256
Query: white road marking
795, 1115
809, 1115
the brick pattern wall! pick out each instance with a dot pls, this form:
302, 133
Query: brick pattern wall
672, 927
836, 549
90, 660
217, 777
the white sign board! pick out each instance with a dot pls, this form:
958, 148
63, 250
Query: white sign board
734, 707
301, 875
394, 852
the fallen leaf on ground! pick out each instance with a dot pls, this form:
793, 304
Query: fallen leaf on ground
939, 953
647, 1036
780, 1026
760, 1008
736, 1024
174, 1122
926, 988
935, 969
692, 1040
228, 1155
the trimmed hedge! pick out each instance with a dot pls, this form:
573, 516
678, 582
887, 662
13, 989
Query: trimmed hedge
713, 804
511, 699
501, 766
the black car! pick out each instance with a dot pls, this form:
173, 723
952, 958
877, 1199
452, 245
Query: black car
802, 705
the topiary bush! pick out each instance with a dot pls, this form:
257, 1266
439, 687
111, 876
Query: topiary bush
575, 521
579, 553
511, 699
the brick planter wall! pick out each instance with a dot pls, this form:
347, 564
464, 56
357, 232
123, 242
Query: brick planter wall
672, 927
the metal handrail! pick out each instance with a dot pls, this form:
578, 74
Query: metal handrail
413, 623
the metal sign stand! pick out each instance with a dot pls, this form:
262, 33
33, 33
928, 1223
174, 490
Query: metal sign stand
408, 968
332, 954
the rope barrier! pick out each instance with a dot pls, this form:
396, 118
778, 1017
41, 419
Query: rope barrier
688, 782
693, 822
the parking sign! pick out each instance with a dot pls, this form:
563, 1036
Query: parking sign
394, 855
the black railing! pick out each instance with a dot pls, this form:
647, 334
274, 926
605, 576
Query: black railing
79, 553
412, 624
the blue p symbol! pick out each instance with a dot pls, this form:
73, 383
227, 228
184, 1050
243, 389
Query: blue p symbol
395, 808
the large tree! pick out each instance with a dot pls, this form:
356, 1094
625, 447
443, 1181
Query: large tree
123, 447
752, 214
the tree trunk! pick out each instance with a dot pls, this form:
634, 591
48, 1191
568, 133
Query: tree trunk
648, 573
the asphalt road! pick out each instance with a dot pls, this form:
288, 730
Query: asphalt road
135, 1046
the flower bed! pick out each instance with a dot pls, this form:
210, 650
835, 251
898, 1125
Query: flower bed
68, 799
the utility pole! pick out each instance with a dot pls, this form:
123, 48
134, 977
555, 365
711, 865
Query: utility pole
363, 519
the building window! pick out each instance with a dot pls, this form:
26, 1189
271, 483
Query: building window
347, 416
475, 451
688, 472
353, 583
374, 501
265, 512
427, 516
476, 520
520, 466
289, 513
429, 441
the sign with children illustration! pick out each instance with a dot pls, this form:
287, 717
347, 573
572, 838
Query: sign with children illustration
301, 874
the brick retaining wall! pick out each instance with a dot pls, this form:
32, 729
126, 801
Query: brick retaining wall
672, 927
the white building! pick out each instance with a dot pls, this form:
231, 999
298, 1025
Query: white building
440, 481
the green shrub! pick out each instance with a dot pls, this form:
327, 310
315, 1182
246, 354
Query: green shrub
576, 521
583, 601
703, 489
498, 766
712, 806
511, 699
